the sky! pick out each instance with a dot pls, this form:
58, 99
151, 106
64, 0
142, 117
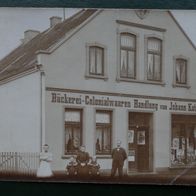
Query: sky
14, 21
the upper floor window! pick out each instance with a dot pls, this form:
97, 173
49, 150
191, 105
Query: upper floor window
127, 56
181, 71
154, 59
96, 60
96, 66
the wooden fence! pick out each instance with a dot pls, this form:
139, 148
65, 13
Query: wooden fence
24, 163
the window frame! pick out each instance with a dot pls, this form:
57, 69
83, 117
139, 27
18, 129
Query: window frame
110, 126
80, 110
175, 83
154, 53
126, 79
127, 49
104, 74
162, 62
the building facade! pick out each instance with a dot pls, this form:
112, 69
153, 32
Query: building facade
101, 76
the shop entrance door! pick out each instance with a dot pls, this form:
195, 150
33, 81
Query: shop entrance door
143, 148
139, 136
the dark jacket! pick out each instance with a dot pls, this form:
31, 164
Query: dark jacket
82, 157
119, 155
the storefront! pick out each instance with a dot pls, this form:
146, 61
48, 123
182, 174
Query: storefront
183, 140
155, 132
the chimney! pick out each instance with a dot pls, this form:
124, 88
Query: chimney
55, 20
28, 35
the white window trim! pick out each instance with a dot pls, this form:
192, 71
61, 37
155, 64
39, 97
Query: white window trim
187, 85
105, 67
146, 37
118, 78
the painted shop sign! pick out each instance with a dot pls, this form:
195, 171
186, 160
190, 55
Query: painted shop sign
123, 102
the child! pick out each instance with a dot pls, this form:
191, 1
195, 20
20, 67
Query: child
94, 167
72, 167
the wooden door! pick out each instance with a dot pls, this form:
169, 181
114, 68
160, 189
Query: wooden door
143, 149
139, 137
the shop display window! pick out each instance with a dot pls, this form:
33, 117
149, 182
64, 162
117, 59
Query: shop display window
103, 132
73, 130
183, 144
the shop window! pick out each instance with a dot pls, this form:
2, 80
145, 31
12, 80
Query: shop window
127, 56
103, 132
73, 130
154, 59
183, 144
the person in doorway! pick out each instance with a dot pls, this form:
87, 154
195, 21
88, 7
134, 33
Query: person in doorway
82, 160
44, 169
119, 155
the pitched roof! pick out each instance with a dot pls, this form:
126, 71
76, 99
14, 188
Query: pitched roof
23, 57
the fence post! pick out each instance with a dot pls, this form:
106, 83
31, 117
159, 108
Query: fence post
16, 162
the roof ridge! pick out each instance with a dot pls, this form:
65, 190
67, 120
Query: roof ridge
31, 42
20, 57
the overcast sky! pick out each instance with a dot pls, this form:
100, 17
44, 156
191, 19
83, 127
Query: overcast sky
14, 21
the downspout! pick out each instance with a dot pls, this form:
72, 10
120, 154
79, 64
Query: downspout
42, 102
43, 128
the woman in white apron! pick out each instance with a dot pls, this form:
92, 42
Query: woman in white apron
44, 169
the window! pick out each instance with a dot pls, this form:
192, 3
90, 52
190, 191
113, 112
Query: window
127, 56
181, 71
96, 60
154, 59
183, 144
73, 130
103, 132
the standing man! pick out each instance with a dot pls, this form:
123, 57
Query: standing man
119, 155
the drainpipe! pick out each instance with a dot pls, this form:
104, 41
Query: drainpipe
42, 102
43, 128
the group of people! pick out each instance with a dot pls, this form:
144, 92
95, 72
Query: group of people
82, 164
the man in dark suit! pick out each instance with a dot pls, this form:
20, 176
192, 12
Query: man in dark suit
119, 155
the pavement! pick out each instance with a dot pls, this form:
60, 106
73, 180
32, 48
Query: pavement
173, 177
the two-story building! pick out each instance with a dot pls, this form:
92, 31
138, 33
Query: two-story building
100, 76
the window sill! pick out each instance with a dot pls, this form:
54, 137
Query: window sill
140, 81
99, 156
96, 77
181, 86
67, 156
181, 167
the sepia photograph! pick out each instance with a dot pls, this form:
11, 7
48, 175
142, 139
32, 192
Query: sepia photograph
98, 95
